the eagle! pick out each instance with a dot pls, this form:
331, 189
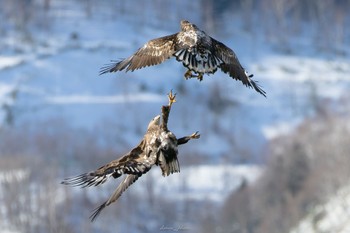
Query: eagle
159, 146
198, 52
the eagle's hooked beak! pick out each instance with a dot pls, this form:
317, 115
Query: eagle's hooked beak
154, 121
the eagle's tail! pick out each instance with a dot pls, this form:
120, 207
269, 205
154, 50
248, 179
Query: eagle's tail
190, 59
169, 167
168, 164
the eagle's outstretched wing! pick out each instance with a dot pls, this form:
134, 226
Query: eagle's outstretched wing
233, 67
129, 180
152, 53
135, 162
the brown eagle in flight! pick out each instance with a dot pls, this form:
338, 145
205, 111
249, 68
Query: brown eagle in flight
159, 146
197, 51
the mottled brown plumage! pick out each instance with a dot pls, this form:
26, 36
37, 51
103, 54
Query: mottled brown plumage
158, 147
198, 52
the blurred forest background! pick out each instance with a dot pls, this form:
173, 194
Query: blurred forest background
275, 165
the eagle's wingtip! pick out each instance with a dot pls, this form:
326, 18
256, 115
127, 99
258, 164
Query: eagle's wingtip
258, 88
114, 66
96, 212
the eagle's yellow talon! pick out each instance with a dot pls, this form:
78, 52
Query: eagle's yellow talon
200, 77
195, 135
172, 98
188, 74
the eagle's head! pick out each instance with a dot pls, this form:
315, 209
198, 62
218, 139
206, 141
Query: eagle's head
154, 123
185, 26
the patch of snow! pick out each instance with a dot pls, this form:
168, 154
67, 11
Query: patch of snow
4, 230
13, 175
89, 99
5, 89
279, 128
10, 61
206, 182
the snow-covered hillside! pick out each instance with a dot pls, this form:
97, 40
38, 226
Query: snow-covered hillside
195, 183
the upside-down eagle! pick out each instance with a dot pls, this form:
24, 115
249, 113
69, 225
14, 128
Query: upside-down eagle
197, 51
159, 146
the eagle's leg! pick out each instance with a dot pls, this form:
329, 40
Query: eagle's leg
189, 75
185, 139
166, 110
